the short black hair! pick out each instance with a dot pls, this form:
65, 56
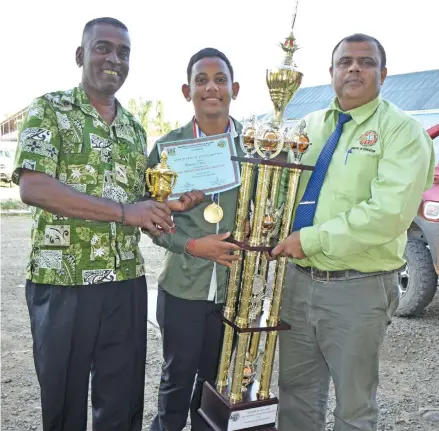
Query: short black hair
104, 20
204, 53
360, 37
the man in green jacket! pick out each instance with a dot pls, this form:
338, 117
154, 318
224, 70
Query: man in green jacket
193, 280
372, 163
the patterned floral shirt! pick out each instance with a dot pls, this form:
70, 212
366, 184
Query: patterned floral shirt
65, 137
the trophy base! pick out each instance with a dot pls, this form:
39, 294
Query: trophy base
249, 414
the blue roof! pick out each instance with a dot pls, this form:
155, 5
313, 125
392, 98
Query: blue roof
416, 91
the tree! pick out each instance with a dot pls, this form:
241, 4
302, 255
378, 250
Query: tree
141, 110
162, 126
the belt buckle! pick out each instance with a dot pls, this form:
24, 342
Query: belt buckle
322, 279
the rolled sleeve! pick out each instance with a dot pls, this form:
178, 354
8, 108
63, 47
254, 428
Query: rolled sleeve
38, 143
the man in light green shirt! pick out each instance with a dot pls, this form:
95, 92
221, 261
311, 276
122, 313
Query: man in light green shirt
342, 285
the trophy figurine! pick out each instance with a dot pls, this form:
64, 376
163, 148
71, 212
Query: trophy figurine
297, 142
241, 398
269, 140
248, 136
283, 81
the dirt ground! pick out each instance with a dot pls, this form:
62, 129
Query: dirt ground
408, 393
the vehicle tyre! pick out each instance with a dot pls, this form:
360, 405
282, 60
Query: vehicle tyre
417, 281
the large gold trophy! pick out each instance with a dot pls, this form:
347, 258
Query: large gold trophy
242, 397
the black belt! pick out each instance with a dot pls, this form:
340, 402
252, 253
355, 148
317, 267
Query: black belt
348, 274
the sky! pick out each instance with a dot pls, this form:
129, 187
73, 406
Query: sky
40, 39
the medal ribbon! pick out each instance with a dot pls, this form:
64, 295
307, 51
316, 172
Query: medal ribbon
215, 199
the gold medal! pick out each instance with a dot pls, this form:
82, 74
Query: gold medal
213, 213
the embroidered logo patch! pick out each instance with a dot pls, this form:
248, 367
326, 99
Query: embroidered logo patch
369, 138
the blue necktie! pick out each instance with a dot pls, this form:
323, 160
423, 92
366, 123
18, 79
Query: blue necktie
307, 207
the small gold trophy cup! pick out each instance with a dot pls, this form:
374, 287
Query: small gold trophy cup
161, 179
241, 398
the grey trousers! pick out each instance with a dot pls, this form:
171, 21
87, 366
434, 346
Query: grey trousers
337, 329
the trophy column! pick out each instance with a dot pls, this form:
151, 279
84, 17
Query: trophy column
263, 262
250, 261
279, 279
235, 274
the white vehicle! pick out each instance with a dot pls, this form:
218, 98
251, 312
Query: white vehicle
6, 166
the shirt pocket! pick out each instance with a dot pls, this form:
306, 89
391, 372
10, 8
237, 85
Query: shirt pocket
354, 178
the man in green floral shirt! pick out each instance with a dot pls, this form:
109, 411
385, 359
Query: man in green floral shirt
81, 164
65, 138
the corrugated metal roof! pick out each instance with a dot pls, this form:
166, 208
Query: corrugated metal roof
416, 91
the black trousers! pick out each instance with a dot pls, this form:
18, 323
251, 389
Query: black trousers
192, 337
98, 329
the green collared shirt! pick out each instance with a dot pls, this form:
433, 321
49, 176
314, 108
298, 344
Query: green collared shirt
183, 275
372, 190
65, 137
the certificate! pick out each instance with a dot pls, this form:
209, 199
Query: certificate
203, 164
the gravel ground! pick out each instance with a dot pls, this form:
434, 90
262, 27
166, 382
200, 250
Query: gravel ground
408, 393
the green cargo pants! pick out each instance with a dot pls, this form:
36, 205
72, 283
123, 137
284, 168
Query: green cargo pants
337, 329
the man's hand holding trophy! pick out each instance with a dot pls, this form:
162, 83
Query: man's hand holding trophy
161, 181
